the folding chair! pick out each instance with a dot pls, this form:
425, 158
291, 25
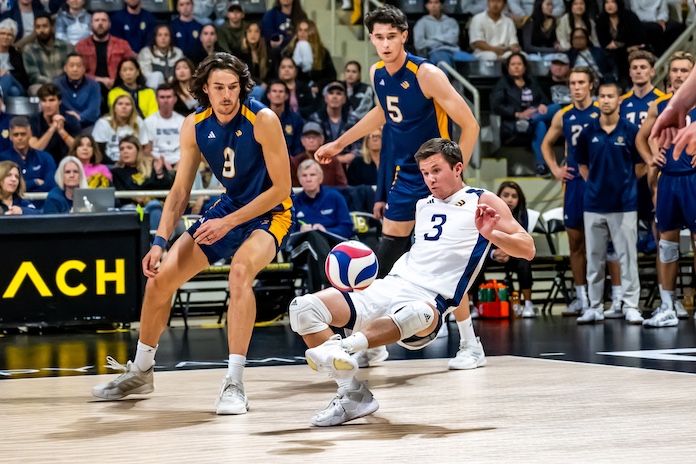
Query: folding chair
554, 224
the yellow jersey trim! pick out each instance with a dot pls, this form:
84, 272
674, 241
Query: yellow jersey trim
413, 67
379, 65
442, 121
203, 115
247, 113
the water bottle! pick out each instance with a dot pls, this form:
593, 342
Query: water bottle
515, 303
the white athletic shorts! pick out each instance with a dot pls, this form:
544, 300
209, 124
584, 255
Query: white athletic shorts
384, 297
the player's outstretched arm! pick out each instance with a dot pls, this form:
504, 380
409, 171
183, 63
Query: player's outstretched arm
674, 115
555, 131
372, 121
496, 223
436, 85
179, 194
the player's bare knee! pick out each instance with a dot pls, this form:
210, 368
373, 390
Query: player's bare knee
415, 318
669, 251
240, 275
309, 315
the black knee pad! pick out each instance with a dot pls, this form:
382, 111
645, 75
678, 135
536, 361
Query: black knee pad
390, 250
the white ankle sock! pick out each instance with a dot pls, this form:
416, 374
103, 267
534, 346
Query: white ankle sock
349, 384
466, 330
144, 356
235, 368
616, 293
528, 303
669, 298
354, 343
581, 294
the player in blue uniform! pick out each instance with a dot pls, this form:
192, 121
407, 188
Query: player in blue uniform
416, 101
569, 122
243, 143
674, 206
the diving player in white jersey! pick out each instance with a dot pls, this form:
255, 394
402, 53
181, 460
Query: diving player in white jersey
454, 227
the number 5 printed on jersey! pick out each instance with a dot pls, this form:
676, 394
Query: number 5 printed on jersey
440, 220
393, 109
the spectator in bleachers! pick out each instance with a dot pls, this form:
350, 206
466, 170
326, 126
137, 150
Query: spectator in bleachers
13, 77
361, 96
157, 61
163, 128
69, 176
436, 35
278, 24
73, 22
122, 120
492, 35
133, 24
23, 13
583, 53
278, 95
539, 32
620, 32
473, 7
577, 16
4, 126
363, 169
130, 80
87, 151
557, 83
53, 128
319, 210
208, 43
521, 103
312, 138
102, 53
302, 100
261, 59
44, 56
135, 170
204, 10
81, 95
660, 31
316, 66
522, 10
12, 188
513, 196
185, 29
231, 33
335, 118
37, 167
185, 102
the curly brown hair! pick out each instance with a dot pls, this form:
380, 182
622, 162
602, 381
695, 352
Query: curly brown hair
225, 62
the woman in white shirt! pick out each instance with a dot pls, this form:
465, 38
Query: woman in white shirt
578, 15
122, 120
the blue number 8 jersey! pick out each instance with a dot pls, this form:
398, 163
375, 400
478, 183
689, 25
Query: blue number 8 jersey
234, 155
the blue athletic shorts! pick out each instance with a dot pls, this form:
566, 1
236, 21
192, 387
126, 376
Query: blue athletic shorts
573, 201
403, 195
675, 206
277, 224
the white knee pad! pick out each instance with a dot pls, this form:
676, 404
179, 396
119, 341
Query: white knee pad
413, 318
308, 315
669, 251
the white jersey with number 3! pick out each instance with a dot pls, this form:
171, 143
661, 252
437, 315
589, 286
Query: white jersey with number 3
448, 251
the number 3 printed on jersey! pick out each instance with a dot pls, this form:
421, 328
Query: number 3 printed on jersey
393, 109
439, 220
228, 170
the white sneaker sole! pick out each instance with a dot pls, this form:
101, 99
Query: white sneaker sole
453, 365
362, 411
230, 410
316, 364
143, 390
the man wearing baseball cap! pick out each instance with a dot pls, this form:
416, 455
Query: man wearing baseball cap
231, 33
312, 139
335, 118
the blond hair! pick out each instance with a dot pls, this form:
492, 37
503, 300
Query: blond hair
132, 119
5, 168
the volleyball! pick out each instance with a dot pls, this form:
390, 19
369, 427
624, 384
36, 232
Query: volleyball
351, 265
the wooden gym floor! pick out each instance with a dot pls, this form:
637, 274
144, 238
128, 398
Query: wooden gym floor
552, 392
